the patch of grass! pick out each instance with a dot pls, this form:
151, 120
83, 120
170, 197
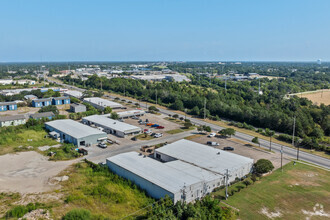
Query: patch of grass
191, 137
179, 130
299, 187
144, 137
100, 191
10, 141
65, 152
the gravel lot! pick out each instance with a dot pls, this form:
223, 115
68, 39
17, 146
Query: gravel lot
244, 150
29, 172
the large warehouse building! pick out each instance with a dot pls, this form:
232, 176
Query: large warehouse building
100, 103
184, 170
179, 180
75, 132
111, 126
209, 158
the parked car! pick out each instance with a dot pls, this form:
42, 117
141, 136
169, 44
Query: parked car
147, 131
153, 134
82, 151
228, 148
158, 135
121, 120
212, 135
212, 143
160, 127
154, 125
134, 117
134, 138
147, 120
110, 141
150, 124
140, 120
102, 145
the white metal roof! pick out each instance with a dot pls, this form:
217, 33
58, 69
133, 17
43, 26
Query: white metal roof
113, 124
203, 156
74, 93
74, 129
164, 176
130, 113
103, 102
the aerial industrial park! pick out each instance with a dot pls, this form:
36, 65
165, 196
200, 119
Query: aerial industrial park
181, 110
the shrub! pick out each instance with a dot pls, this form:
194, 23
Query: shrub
263, 166
78, 214
247, 183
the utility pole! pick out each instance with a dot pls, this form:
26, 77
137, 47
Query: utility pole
204, 108
294, 128
270, 143
227, 177
281, 158
185, 114
156, 96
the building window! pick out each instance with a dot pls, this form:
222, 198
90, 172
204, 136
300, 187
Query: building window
158, 156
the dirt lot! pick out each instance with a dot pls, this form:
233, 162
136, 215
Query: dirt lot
20, 110
317, 97
243, 150
29, 172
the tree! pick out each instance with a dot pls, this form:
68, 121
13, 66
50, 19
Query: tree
107, 110
114, 115
49, 108
175, 116
181, 118
78, 214
74, 100
200, 128
195, 110
207, 128
256, 140
187, 124
57, 94
153, 108
227, 132
263, 166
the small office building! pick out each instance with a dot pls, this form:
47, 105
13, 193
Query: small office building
38, 116
100, 103
111, 126
61, 100
12, 120
74, 132
8, 106
75, 107
41, 102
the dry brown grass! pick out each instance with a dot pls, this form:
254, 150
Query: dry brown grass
317, 97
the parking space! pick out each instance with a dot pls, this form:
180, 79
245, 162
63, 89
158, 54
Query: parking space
242, 149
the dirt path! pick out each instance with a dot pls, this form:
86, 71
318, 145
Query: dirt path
29, 172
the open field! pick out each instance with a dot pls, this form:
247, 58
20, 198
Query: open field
317, 97
24, 140
299, 192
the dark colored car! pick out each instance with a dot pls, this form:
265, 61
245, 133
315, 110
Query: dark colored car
82, 151
160, 127
228, 148
155, 125
134, 139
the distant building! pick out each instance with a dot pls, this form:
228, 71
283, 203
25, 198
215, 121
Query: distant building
100, 103
319, 61
61, 100
77, 108
38, 116
30, 97
111, 126
6, 81
13, 120
131, 113
8, 106
73, 93
74, 132
41, 102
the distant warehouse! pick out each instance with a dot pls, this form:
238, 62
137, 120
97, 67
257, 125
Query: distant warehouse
184, 170
111, 126
102, 103
74, 132
179, 180
128, 114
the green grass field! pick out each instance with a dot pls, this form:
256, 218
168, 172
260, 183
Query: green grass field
101, 192
179, 130
297, 193
10, 142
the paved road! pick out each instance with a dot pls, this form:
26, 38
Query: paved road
290, 152
102, 154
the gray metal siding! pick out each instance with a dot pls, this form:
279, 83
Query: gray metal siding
152, 189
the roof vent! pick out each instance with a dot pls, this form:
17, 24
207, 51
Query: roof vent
218, 153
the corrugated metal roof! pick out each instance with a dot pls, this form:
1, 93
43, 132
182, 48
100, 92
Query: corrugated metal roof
41, 100
61, 98
164, 176
42, 115
130, 113
103, 102
203, 156
7, 103
12, 117
113, 124
73, 128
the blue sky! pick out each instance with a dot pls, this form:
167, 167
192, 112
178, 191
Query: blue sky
169, 30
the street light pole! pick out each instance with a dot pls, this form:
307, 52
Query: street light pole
281, 158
